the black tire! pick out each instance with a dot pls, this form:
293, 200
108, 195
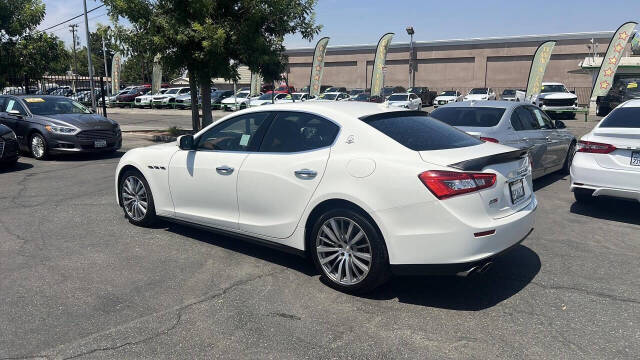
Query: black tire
44, 155
583, 195
378, 271
150, 216
569, 158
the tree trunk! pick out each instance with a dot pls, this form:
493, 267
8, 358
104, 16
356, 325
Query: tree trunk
195, 114
205, 93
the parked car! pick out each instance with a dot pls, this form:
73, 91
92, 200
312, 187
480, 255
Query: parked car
512, 95
8, 144
409, 101
283, 89
519, 125
237, 102
388, 90
341, 208
555, 99
184, 101
145, 100
364, 97
426, 96
295, 97
168, 99
622, 90
607, 161
332, 89
267, 98
355, 92
480, 94
332, 96
218, 96
446, 97
46, 124
128, 98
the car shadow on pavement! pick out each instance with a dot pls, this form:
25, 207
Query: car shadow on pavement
508, 275
87, 157
609, 209
17, 167
258, 251
544, 181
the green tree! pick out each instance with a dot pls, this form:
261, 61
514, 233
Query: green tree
211, 38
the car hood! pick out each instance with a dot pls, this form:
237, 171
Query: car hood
558, 95
81, 121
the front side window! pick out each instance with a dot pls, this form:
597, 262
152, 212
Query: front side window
542, 118
326, 96
236, 134
294, 132
522, 119
469, 116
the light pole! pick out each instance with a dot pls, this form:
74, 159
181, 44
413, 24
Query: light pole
411, 68
91, 84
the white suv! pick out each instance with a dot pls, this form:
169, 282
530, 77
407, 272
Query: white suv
555, 98
169, 97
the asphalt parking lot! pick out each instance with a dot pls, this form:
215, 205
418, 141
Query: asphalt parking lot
78, 281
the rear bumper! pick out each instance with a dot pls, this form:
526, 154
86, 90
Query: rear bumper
587, 174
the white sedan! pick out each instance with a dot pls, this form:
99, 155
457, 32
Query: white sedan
607, 161
296, 97
480, 94
409, 101
445, 97
332, 96
266, 99
362, 189
237, 102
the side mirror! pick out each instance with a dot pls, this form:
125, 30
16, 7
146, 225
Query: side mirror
572, 91
560, 125
15, 113
186, 142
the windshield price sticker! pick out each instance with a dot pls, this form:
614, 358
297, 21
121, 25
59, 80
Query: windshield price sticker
34, 100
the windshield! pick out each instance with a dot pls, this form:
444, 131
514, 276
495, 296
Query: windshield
54, 106
478, 91
448, 93
419, 132
632, 89
472, 117
295, 96
172, 91
387, 91
242, 95
265, 97
624, 117
553, 88
398, 97
362, 97
328, 96
331, 89
509, 92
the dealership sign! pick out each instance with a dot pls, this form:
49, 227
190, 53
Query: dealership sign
538, 68
318, 67
377, 77
611, 59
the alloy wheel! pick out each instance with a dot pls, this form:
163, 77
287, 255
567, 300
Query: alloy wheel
134, 198
343, 250
37, 146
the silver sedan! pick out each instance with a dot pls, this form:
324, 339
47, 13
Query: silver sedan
515, 124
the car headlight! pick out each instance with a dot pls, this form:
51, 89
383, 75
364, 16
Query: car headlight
9, 136
406, 106
62, 130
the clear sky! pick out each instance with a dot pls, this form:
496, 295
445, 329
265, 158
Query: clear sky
350, 22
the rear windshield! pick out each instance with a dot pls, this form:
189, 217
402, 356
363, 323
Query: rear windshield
625, 117
419, 132
472, 117
398, 97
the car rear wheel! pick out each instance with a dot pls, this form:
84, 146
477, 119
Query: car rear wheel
136, 198
349, 252
38, 146
583, 195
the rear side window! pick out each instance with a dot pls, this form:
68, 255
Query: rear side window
419, 132
294, 132
467, 116
625, 117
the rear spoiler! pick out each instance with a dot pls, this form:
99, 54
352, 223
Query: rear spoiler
480, 163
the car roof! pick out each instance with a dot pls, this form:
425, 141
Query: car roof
488, 103
353, 109
405, 94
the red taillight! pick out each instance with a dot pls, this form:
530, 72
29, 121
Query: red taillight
595, 147
489, 139
445, 184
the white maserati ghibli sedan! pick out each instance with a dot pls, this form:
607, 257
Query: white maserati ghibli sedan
364, 190
607, 161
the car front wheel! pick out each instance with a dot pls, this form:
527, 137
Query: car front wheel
349, 252
38, 146
136, 198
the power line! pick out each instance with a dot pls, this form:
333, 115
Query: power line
73, 18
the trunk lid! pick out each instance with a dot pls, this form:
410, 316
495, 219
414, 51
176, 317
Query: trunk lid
627, 143
510, 166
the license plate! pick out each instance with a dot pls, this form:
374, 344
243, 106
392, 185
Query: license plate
635, 158
517, 191
100, 143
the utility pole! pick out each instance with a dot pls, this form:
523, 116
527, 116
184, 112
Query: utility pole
73, 28
410, 32
91, 83
104, 56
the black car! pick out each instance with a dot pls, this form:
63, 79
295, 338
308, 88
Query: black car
424, 94
623, 89
218, 96
8, 146
47, 124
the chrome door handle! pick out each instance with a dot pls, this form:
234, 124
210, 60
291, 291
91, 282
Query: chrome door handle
224, 170
306, 174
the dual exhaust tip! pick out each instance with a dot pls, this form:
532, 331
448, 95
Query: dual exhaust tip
477, 269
